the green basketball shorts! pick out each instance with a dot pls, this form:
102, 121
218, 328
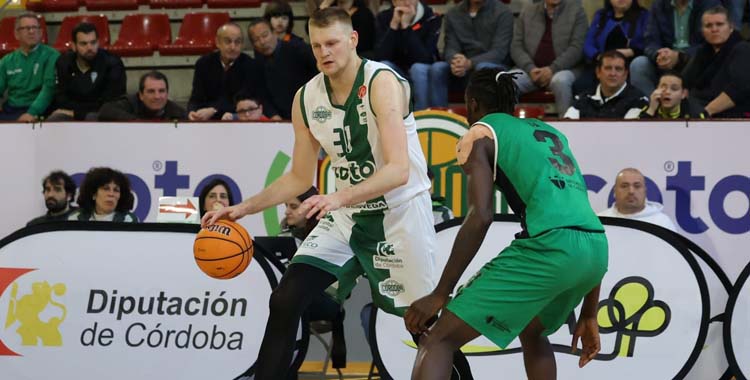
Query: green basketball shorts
545, 276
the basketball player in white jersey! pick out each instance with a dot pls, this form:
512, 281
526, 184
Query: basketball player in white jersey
378, 222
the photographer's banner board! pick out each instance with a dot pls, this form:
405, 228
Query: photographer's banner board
666, 328
132, 304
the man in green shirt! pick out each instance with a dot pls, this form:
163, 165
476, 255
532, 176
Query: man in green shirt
558, 259
28, 74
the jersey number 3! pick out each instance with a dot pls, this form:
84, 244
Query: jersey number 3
566, 167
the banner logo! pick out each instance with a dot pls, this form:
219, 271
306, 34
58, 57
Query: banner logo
631, 311
25, 310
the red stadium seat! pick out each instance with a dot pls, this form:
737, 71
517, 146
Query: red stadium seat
111, 5
529, 112
233, 3
197, 34
172, 4
63, 42
8, 41
541, 96
53, 5
142, 34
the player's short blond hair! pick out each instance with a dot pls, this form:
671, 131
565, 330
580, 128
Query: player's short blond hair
323, 18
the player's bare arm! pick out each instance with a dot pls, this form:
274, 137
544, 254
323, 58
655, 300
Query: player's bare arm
478, 151
289, 185
587, 328
390, 106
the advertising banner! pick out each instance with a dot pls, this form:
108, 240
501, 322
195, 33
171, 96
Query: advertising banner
655, 314
130, 303
161, 159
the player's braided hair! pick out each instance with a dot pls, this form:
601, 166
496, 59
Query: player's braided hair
494, 90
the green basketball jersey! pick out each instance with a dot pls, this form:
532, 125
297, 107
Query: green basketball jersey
350, 136
539, 176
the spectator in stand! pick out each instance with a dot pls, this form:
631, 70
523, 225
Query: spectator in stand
736, 12
150, 103
673, 35
215, 196
406, 40
631, 203
58, 190
284, 67
279, 14
363, 20
28, 73
222, 75
87, 77
547, 42
105, 196
613, 97
620, 26
717, 76
670, 100
295, 223
478, 34
247, 109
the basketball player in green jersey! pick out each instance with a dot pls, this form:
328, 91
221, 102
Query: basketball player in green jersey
379, 220
558, 258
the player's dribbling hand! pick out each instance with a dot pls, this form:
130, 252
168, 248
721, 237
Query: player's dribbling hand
421, 311
231, 213
588, 330
319, 205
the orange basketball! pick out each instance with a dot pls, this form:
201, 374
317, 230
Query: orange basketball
223, 250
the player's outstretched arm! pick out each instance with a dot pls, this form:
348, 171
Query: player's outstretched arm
289, 185
587, 329
390, 107
479, 169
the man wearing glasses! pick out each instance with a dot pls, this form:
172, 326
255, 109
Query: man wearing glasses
28, 74
247, 109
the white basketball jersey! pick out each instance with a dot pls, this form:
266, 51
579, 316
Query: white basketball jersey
349, 134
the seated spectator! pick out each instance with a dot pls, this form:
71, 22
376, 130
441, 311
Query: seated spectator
28, 73
58, 190
247, 109
613, 97
477, 35
631, 203
294, 223
363, 20
215, 196
718, 77
279, 14
87, 77
673, 35
105, 196
284, 67
670, 100
440, 212
222, 75
549, 60
736, 12
406, 40
150, 103
620, 26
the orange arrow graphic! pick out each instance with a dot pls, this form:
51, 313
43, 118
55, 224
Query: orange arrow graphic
187, 209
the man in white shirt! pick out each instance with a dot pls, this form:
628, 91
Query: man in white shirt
631, 203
